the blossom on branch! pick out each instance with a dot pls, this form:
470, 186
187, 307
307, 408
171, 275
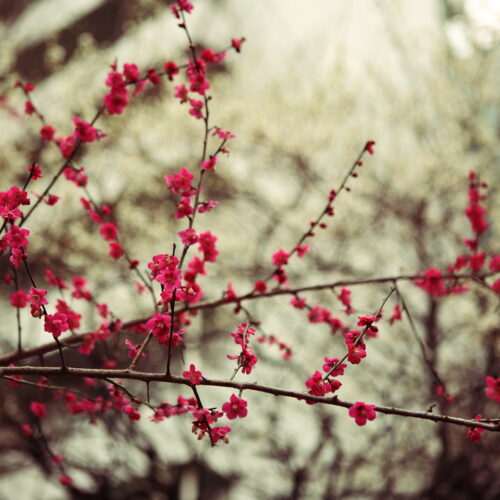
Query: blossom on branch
362, 412
235, 407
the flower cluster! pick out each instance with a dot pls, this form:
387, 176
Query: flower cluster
10, 201
160, 326
273, 340
432, 281
345, 298
179, 283
246, 359
167, 410
319, 386
204, 418
118, 97
318, 314
108, 230
63, 320
493, 388
356, 347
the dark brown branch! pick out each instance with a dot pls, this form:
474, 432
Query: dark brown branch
275, 391
78, 339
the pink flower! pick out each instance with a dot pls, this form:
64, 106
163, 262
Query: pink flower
16, 237
280, 258
115, 250
72, 317
298, 303
185, 5
180, 182
109, 231
77, 176
17, 256
317, 386
56, 323
496, 286
117, 100
230, 295
396, 314
260, 286
181, 92
476, 261
318, 314
209, 56
132, 413
159, 325
335, 324
133, 350
432, 282
153, 76
170, 278
131, 72
224, 135
206, 206
84, 131
65, 480
188, 236
330, 363
246, 360
47, 132
29, 109
53, 280
235, 407
197, 266
184, 208
27, 430
209, 164
103, 310
460, 262
362, 412
220, 433
475, 213
355, 354
367, 322
38, 409
198, 83
36, 172
115, 80
495, 263
19, 299
162, 262
206, 242
80, 291
236, 43
171, 69
280, 276
37, 299
193, 375
441, 392
493, 388
369, 147
474, 433
302, 250
52, 199
345, 298
196, 107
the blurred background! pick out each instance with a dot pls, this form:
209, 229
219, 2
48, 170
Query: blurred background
313, 83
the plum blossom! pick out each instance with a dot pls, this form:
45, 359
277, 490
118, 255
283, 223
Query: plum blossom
235, 407
362, 412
